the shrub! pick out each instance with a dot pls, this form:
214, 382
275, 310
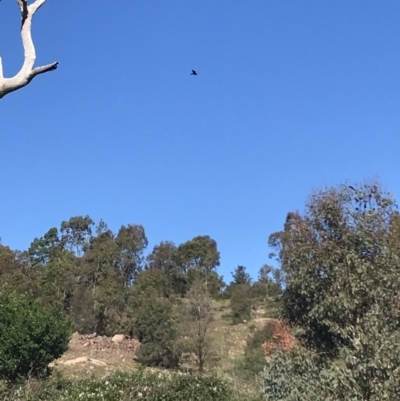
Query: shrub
31, 336
240, 303
139, 385
156, 329
253, 361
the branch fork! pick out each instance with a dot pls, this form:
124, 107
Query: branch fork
28, 71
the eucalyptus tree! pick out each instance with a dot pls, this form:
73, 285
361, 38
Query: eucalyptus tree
341, 260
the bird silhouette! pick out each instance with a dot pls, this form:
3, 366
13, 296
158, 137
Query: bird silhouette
193, 72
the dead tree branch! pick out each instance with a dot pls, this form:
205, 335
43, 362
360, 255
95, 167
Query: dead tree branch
27, 72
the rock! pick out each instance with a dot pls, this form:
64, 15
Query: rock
83, 359
76, 360
118, 338
97, 362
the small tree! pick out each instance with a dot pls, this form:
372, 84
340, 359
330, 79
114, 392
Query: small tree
156, 329
31, 336
27, 72
240, 276
240, 303
197, 321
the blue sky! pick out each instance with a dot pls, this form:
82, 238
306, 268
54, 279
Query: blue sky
290, 96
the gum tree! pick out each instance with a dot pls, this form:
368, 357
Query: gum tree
341, 259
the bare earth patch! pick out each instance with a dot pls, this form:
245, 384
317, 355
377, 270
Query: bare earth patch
98, 356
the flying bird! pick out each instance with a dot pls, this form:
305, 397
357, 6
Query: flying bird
193, 72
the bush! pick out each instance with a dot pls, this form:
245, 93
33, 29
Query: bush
253, 361
31, 336
127, 386
240, 303
156, 329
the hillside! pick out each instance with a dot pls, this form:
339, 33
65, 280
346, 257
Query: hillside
98, 356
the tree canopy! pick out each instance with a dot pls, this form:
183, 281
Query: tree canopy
341, 260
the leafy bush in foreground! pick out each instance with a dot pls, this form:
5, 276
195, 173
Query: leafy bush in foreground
31, 336
163, 386
341, 260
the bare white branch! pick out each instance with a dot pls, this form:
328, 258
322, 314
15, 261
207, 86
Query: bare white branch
27, 71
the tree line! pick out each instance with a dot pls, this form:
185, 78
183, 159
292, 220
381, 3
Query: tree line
92, 273
337, 336
105, 283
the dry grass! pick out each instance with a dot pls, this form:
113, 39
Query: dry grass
229, 341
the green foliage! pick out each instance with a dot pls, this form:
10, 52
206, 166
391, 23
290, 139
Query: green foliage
215, 284
90, 273
42, 249
58, 280
155, 282
266, 286
305, 375
261, 336
198, 258
199, 253
104, 282
76, 233
131, 241
14, 275
240, 276
155, 327
297, 377
240, 303
253, 361
31, 336
8, 262
165, 258
82, 307
161, 386
342, 270
265, 290
196, 322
